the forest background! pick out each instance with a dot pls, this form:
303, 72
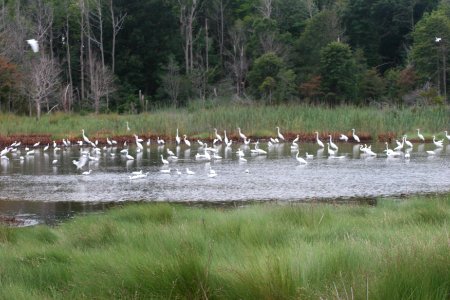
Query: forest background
132, 56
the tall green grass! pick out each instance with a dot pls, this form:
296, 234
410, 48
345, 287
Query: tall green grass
396, 250
255, 120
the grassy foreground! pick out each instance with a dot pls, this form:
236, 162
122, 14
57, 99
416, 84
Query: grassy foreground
255, 121
396, 250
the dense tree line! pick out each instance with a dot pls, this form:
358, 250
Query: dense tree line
129, 55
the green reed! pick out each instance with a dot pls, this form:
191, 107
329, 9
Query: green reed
397, 249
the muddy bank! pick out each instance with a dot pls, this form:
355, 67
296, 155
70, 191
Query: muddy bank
44, 139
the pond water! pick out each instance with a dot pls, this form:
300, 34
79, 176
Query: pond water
35, 186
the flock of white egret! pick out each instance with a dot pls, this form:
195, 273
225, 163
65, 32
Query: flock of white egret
91, 151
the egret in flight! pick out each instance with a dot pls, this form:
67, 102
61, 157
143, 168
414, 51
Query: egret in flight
34, 45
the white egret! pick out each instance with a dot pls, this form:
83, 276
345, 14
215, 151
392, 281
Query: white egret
36, 144
138, 176
108, 141
164, 161
31, 152
177, 138
148, 142
319, 142
241, 134
300, 159
408, 143
437, 39
296, 139
309, 156
431, 152
170, 152
446, 135
420, 135
218, 137
355, 137
200, 143
189, 172
34, 45
333, 145
330, 151
343, 137
280, 136
85, 138
87, 172
438, 143
399, 145
246, 142
54, 162
128, 127
186, 141
160, 141
46, 147
225, 138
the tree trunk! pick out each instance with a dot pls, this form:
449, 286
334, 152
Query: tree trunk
82, 88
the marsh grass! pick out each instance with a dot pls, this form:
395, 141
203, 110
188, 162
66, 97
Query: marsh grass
395, 250
255, 121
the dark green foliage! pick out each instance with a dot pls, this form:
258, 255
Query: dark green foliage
338, 73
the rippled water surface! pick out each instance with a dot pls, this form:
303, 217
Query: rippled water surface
275, 176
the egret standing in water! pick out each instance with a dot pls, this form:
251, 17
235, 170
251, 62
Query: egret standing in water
420, 135
319, 142
300, 159
355, 137
280, 136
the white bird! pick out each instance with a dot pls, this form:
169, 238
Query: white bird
309, 156
343, 137
437, 39
296, 140
186, 141
160, 141
225, 138
211, 172
138, 176
399, 145
408, 143
36, 144
31, 152
189, 172
128, 127
46, 147
438, 143
446, 135
177, 138
108, 141
431, 152
87, 172
148, 142
200, 143
217, 135
34, 45
333, 145
257, 150
55, 161
319, 142
246, 142
128, 156
241, 134
85, 138
300, 159
170, 152
420, 135
280, 136
164, 161
330, 151
355, 137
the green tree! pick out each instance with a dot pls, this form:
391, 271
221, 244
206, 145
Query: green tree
339, 72
430, 51
269, 76
320, 30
